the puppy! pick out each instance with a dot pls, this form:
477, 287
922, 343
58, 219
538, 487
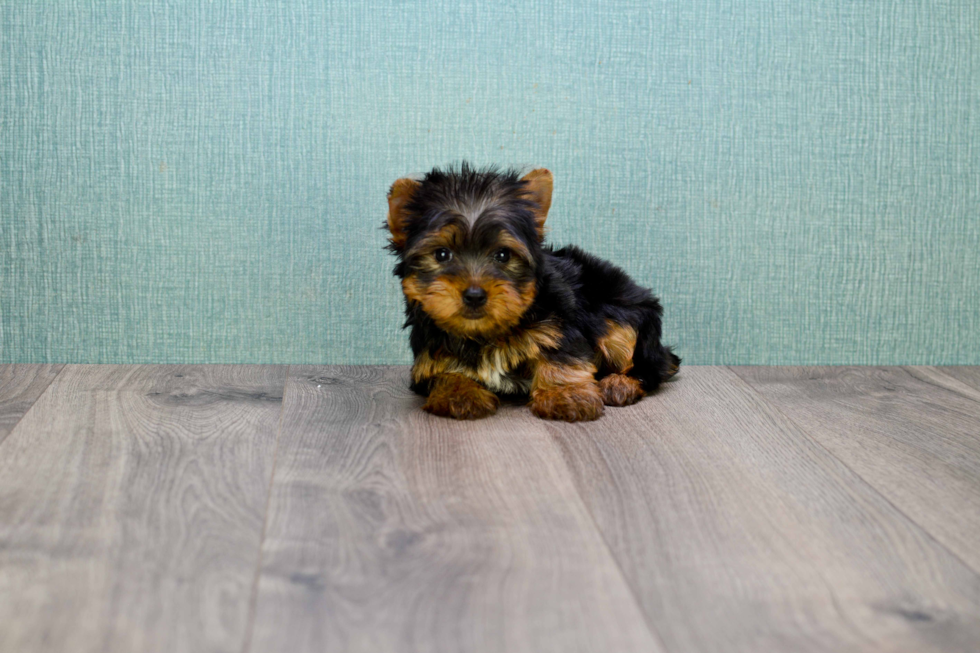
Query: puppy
494, 311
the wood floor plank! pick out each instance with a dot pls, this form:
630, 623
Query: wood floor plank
739, 533
912, 433
20, 386
393, 530
967, 375
131, 508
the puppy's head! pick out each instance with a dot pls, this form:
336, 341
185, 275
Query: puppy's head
469, 245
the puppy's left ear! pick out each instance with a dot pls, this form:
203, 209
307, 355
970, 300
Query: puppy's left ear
400, 194
538, 186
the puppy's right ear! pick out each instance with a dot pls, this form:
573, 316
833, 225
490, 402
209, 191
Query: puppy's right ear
398, 197
538, 185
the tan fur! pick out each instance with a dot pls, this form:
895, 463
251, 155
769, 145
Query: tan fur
620, 390
548, 373
502, 356
616, 347
399, 195
507, 240
499, 359
540, 184
455, 395
565, 392
426, 367
450, 236
442, 300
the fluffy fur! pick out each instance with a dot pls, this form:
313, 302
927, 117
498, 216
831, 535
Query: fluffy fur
494, 311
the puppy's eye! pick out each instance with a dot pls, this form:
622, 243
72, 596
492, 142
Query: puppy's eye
502, 255
443, 255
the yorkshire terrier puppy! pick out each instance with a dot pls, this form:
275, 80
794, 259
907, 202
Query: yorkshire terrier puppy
494, 311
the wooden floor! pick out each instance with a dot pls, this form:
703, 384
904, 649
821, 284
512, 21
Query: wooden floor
289, 509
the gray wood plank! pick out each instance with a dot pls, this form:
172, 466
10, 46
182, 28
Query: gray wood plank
20, 386
132, 502
912, 433
393, 530
968, 376
739, 533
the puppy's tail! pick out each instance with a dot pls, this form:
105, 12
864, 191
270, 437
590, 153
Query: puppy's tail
653, 362
673, 364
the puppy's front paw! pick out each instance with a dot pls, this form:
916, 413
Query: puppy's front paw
569, 403
464, 406
461, 398
620, 390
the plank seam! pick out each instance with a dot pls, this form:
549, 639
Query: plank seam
861, 478
605, 543
908, 369
253, 597
33, 403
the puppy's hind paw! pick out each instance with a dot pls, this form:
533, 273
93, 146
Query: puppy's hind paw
620, 390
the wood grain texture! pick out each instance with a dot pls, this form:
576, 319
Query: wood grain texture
739, 533
393, 530
131, 508
912, 433
20, 386
967, 375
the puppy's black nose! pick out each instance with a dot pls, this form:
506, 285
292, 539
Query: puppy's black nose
474, 297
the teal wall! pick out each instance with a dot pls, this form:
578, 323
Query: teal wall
203, 181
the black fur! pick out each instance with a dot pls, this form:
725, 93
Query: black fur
580, 291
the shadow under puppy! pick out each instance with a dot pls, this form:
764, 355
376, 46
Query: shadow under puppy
492, 310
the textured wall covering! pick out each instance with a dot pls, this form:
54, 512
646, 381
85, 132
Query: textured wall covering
203, 181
